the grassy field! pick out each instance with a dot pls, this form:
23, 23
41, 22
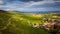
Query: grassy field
21, 23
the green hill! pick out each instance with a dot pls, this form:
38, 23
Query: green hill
18, 23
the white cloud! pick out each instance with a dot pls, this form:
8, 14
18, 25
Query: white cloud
26, 6
32, 3
1, 2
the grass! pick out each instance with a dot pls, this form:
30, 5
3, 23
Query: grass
19, 23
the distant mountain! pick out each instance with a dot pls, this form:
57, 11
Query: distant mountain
33, 11
39, 12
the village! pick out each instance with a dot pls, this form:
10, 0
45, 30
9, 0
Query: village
49, 25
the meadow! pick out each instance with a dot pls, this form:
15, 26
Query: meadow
21, 23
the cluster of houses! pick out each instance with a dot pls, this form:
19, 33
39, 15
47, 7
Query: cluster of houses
54, 25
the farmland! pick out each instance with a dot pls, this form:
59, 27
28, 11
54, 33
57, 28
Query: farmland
21, 23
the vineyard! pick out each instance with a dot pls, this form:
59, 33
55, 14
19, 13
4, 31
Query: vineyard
21, 23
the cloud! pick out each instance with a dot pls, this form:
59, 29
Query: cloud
29, 6
32, 3
38, 3
1, 2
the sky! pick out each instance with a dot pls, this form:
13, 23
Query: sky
30, 5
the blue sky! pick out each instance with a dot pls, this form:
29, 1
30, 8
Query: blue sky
30, 5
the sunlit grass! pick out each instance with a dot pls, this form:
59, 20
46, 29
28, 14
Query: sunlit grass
22, 23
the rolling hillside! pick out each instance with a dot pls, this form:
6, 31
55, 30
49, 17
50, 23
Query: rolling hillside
21, 23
